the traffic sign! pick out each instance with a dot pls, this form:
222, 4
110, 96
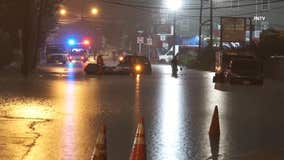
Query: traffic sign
163, 37
149, 41
140, 40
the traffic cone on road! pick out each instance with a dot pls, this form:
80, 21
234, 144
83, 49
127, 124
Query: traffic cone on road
215, 125
139, 147
100, 151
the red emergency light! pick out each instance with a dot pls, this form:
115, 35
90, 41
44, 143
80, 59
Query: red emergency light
86, 42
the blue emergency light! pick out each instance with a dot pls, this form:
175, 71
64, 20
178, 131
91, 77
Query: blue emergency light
71, 42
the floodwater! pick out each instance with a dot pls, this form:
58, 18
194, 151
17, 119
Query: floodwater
57, 116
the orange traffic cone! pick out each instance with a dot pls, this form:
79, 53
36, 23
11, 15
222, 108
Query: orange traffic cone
139, 147
215, 126
100, 151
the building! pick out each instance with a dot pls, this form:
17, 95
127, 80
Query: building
264, 13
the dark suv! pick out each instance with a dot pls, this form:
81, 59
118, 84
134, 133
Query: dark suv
134, 64
244, 70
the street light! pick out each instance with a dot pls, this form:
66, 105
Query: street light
174, 5
62, 12
94, 11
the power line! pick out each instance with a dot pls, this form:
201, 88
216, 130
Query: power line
151, 4
147, 11
188, 7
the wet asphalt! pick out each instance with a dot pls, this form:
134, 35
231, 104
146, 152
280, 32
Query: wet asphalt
56, 114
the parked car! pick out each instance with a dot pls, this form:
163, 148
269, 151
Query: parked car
77, 56
166, 58
244, 70
134, 64
57, 58
56, 55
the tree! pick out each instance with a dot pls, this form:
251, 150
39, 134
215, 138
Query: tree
10, 21
47, 22
35, 19
6, 48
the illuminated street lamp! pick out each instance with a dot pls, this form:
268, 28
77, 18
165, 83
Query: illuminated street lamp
62, 12
174, 5
94, 11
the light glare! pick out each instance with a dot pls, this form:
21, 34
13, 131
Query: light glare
94, 11
71, 42
174, 4
63, 12
86, 42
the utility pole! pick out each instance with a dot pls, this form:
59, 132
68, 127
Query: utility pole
211, 25
82, 9
251, 29
27, 37
174, 36
200, 25
41, 13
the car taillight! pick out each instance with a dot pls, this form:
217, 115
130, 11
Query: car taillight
70, 58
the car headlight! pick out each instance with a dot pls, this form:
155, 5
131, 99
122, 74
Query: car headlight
138, 68
120, 58
218, 69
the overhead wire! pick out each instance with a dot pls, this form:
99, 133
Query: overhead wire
188, 7
161, 12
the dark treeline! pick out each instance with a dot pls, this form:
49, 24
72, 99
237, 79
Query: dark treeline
24, 27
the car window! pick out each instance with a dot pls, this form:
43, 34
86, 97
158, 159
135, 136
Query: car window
54, 50
170, 53
245, 65
128, 60
77, 53
141, 60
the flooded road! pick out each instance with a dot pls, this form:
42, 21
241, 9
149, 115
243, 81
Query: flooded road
57, 116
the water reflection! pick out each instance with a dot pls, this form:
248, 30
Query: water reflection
69, 124
214, 96
214, 145
30, 110
137, 107
170, 137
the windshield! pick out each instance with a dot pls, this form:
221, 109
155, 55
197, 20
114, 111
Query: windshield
135, 59
74, 53
245, 65
54, 50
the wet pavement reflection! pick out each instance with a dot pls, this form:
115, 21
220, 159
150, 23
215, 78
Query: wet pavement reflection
50, 116
169, 128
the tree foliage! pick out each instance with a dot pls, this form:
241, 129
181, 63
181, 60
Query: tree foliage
35, 18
